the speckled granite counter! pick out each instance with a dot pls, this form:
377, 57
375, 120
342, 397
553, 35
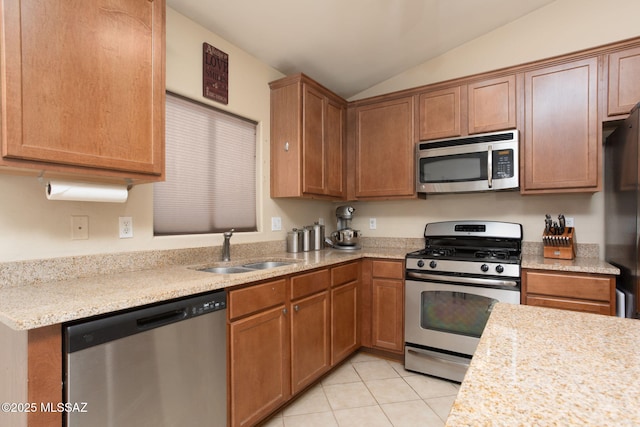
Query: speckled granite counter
578, 265
544, 367
41, 303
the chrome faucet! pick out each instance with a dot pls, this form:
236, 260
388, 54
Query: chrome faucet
226, 246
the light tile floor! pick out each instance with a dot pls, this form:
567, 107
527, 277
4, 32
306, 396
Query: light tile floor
370, 391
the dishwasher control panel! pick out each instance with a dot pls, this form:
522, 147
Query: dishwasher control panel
208, 306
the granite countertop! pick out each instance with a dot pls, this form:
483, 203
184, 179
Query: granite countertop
548, 367
577, 265
38, 304
45, 292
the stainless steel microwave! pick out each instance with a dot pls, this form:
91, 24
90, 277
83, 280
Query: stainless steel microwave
482, 162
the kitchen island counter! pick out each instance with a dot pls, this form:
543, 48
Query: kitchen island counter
549, 367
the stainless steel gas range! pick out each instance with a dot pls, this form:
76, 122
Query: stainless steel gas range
450, 288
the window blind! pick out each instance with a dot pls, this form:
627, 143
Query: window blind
210, 171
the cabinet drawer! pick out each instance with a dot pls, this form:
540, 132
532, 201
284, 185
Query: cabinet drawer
309, 283
568, 304
580, 286
344, 274
256, 298
389, 269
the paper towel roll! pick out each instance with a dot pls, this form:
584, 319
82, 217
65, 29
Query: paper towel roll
86, 192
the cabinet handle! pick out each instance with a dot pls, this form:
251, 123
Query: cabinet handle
296, 307
286, 146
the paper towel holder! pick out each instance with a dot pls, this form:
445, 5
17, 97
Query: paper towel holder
70, 190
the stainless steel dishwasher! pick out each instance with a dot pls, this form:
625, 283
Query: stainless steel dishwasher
162, 365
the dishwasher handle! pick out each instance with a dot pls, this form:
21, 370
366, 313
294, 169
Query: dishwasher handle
161, 319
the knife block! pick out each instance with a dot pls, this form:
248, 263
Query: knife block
560, 246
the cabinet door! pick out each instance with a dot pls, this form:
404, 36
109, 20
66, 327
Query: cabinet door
310, 356
388, 314
313, 152
561, 150
259, 375
385, 149
334, 149
492, 105
624, 83
85, 83
440, 113
286, 149
344, 321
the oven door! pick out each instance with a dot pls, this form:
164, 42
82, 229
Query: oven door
449, 316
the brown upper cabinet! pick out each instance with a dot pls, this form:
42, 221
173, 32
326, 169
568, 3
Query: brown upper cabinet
307, 139
560, 143
439, 113
384, 149
84, 103
479, 106
623, 87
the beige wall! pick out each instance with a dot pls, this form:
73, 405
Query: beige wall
32, 227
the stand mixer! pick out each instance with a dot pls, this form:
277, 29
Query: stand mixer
345, 237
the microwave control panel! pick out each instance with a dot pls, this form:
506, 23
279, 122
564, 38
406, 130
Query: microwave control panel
502, 164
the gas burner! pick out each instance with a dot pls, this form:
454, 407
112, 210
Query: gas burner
440, 252
486, 254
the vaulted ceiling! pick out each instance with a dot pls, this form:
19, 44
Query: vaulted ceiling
351, 45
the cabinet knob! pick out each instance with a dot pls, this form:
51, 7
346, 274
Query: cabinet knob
296, 307
286, 146
284, 311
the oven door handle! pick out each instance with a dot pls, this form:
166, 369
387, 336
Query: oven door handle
465, 280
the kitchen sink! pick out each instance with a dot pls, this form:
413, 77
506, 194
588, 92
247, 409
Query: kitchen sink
226, 270
267, 264
245, 268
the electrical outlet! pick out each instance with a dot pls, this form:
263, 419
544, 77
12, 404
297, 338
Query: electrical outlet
372, 224
321, 221
126, 227
568, 221
79, 227
276, 223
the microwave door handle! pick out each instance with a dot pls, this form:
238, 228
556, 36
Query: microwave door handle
490, 166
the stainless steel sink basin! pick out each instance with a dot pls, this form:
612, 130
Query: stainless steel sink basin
267, 264
226, 270
245, 268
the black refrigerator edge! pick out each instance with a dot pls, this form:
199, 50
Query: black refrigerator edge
622, 210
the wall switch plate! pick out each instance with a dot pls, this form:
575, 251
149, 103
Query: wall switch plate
79, 227
321, 221
568, 221
126, 227
276, 223
372, 224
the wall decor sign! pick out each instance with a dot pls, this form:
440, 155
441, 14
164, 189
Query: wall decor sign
215, 74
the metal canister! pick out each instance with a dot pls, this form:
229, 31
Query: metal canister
308, 237
294, 240
318, 237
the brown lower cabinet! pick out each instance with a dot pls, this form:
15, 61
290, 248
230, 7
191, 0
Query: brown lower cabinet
287, 333
383, 305
586, 292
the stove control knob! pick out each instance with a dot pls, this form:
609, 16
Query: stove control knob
499, 268
484, 268
433, 264
421, 263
